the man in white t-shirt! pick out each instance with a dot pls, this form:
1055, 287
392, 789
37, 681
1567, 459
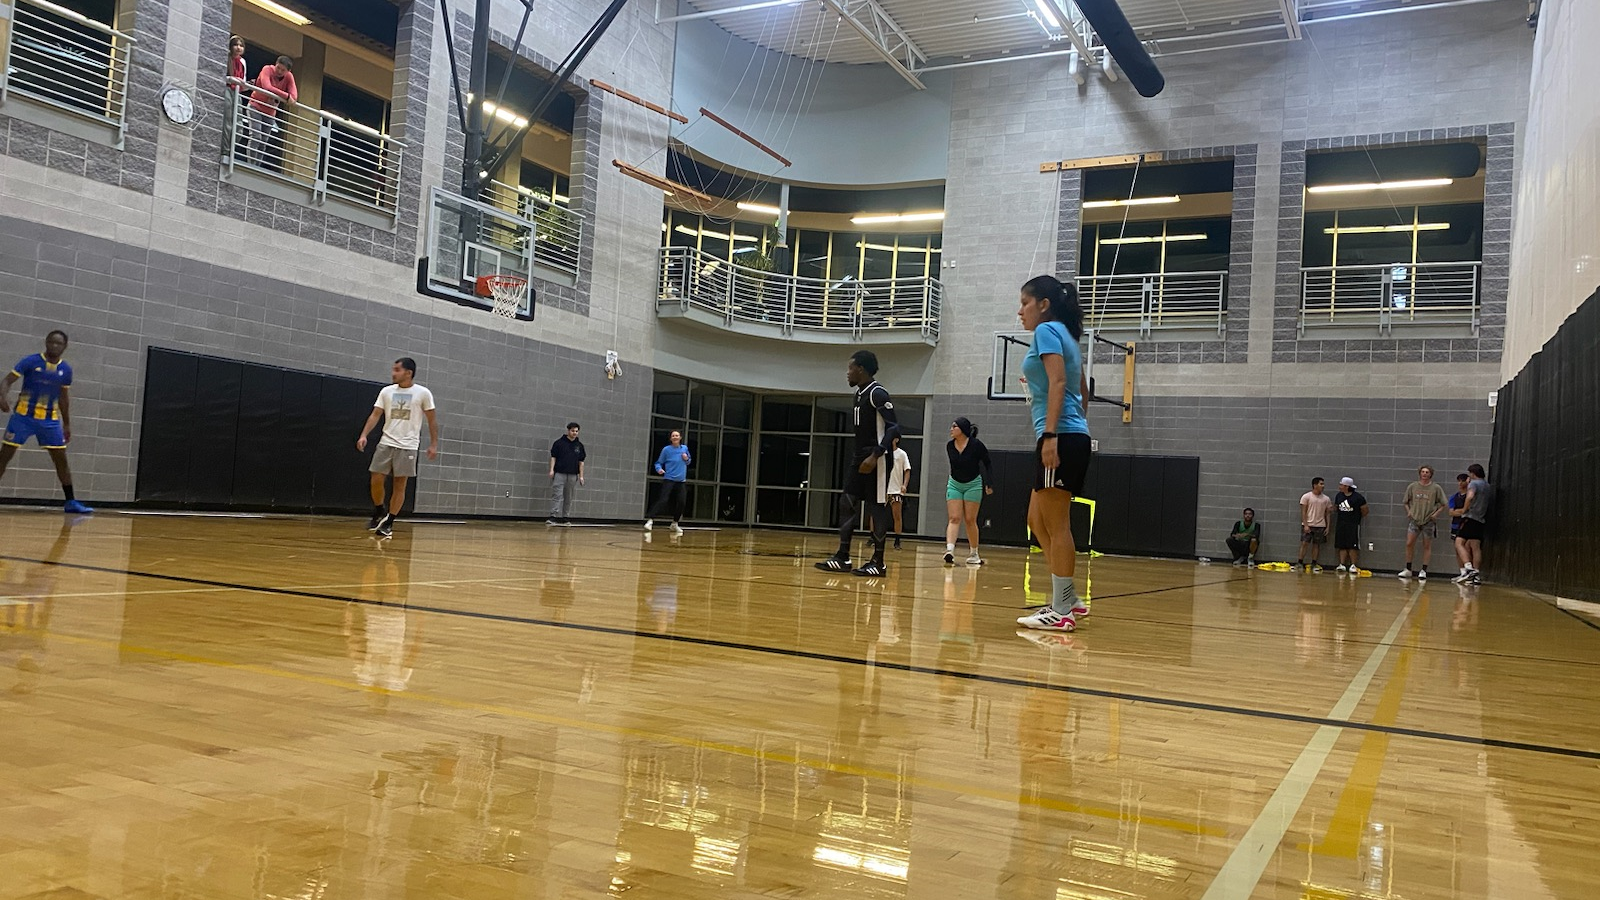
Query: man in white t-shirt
899, 480
402, 406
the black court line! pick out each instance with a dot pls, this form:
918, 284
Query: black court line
1584, 619
1169, 702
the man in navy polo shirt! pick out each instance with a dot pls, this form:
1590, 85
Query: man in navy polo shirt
566, 473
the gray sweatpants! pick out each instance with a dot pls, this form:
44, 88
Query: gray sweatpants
562, 489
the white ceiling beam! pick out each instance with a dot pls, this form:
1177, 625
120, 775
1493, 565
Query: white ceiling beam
727, 11
883, 34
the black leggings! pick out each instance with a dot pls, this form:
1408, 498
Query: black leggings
672, 495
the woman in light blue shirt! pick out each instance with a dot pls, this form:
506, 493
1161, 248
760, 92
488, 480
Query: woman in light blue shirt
672, 464
1057, 392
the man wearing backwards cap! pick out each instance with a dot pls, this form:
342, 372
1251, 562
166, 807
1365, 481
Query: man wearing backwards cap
1349, 509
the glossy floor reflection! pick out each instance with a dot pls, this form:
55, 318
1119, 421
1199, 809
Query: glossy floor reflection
213, 708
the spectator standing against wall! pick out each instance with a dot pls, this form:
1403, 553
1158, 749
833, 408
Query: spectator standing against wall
1314, 509
1350, 507
1474, 512
1425, 503
567, 457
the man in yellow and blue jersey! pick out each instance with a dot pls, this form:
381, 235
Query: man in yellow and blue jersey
43, 411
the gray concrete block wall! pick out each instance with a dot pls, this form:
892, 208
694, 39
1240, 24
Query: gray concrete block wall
502, 397
1263, 451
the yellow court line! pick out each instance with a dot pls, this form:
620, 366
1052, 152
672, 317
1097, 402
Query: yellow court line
1044, 802
1345, 827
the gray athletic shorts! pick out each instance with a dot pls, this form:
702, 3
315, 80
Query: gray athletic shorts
394, 461
1428, 529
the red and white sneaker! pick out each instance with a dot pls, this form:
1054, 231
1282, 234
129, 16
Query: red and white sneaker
1048, 619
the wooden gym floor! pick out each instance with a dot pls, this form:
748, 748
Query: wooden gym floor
211, 708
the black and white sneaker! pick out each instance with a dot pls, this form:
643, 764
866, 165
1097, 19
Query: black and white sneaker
835, 564
385, 528
375, 521
873, 569
949, 558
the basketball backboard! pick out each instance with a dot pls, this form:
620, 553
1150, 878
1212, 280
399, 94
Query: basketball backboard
468, 239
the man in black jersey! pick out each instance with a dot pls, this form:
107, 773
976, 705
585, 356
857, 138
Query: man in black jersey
867, 484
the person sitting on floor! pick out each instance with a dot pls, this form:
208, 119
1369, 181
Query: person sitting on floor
1245, 539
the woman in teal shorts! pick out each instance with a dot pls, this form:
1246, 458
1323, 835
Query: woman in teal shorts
969, 482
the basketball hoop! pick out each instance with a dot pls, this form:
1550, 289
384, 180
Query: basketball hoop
508, 291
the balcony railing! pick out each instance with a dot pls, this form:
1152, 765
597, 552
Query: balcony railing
66, 60
1148, 303
327, 154
1390, 296
693, 279
558, 229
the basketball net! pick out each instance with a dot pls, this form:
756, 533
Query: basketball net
508, 292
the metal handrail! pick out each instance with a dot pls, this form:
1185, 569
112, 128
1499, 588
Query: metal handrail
1390, 295
326, 153
694, 278
559, 228
1155, 301
60, 57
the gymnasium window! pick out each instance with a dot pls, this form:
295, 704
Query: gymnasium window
332, 146
1153, 250
70, 75
1393, 238
716, 424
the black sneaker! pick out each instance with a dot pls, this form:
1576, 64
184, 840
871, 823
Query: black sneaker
873, 569
949, 558
372, 523
897, 543
385, 528
835, 564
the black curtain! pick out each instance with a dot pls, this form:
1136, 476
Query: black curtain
1545, 466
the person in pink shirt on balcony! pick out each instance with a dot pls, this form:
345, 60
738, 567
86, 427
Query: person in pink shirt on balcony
277, 87
238, 124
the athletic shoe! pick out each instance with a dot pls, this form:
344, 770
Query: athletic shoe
1406, 573
873, 569
551, 521
649, 524
1475, 579
1316, 569
1251, 562
897, 543
385, 528
1423, 575
1465, 577
949, 558
1341, 570
77, 507
974, 560
1239, 563
676, 528
835, 564
1048, 619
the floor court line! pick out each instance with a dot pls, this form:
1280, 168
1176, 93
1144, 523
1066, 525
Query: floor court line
1239, 876
1023, 798
1171, 702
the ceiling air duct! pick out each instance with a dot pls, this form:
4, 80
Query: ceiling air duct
1123, 45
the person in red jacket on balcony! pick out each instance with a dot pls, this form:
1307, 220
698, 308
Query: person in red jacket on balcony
238, 124
277, 87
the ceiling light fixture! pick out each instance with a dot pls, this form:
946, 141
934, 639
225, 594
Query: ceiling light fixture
760, 208
1049, 15
1156, 239
1380, 186
1381, 229
1136, 201
282, 12
875, 219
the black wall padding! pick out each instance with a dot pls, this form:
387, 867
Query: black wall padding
1545, 466
1115, 32
1145, 505
223, 434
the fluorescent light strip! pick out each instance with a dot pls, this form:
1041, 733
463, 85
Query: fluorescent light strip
282, 12
1136, 201
760, 208
1380, 186
866, 219
684, 229
1380, 229
1156, 239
